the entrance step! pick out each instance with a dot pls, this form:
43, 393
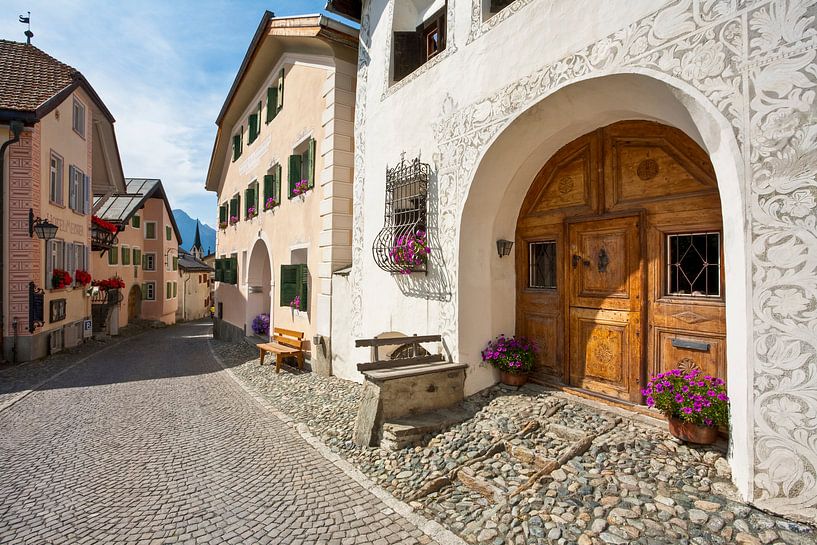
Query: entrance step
407, 431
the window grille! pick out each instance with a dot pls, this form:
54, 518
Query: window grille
693, 265
406, 211
542, 258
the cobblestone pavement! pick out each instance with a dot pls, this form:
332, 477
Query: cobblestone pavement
632, 484
151, 442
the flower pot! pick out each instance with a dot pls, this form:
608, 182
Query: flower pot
692, 433
513, 379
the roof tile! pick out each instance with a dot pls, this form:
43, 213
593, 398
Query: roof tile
30, 76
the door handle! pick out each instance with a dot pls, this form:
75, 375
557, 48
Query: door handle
578, 259
604, 260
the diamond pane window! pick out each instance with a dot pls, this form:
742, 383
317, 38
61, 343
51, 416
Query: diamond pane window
542, 262
694, 265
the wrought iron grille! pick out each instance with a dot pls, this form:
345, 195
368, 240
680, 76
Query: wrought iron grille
406, 213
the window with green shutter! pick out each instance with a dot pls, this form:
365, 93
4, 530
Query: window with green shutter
237, 145
251, 200
137, 221
253, 128
113, 256
150, 230
269, 183
137, 256
218, 269
294, 173
168, 232
272, 103
125, 255
233, 268
169, 290
175, 263
294, 282
175, 288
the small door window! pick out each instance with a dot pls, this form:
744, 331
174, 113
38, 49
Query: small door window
542, 261
694, 265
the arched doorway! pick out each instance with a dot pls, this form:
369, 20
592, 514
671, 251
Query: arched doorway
134, 303
259, 286
619, 260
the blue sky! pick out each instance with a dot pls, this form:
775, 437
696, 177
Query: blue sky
163, 68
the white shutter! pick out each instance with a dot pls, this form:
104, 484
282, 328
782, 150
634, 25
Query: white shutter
72, 187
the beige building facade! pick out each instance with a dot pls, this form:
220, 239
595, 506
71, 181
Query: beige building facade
282, 168
145, 255
64, 152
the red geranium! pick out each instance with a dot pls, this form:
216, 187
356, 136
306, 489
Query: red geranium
82, 278
60, 279
112, 283
106, 225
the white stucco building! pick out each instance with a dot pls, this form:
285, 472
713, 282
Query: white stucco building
654, 164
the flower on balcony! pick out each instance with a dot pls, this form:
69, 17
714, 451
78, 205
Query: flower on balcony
300, 188
410, 251
251, 212
233, 220
270, 204
222, 225
112, 283
60, 279
295, 304
83, 278
104, 225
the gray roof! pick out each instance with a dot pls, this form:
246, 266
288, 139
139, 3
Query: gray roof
121, 207
189, 263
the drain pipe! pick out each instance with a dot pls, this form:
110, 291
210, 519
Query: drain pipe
16, 128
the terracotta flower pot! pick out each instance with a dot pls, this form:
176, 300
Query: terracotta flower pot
692, 433
513, 379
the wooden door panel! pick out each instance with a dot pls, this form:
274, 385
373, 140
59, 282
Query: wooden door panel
605, 351
686, 350
542, 329
612, 280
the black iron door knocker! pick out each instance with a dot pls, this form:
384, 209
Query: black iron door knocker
604, 260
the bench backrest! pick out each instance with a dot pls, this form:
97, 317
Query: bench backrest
288, 337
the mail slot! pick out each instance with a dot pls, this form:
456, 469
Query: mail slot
690, 345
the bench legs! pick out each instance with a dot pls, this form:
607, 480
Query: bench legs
261, 357
300, 357
279, 359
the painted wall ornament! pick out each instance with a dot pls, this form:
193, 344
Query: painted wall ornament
754, 61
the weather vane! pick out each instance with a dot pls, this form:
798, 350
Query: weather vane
28, 33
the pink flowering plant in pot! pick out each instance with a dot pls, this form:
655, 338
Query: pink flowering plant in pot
514, 357
251, 212
300, 188
695, 403
410, 251
233, 220
270, 203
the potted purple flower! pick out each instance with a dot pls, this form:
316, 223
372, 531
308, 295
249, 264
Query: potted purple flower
222, 225
260, 325
270, 203
514, 357
295, 304
300, 188
251, 212
410, 251
695, 404
233, 220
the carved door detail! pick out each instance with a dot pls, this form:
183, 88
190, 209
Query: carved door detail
605, 306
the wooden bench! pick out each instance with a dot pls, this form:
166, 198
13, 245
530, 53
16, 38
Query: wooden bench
285, 343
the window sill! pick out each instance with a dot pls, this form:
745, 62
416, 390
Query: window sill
55, 203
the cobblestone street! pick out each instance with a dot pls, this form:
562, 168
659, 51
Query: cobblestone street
150, 442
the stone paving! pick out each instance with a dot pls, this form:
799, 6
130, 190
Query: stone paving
150, 442
632, 483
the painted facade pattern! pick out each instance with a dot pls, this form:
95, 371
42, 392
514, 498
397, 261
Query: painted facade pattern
754, 61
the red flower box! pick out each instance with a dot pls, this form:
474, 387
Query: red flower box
60, 279
82, 278
113, 283
106, 225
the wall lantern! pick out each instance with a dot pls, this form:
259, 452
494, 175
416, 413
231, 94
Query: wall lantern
45, 229
503, 247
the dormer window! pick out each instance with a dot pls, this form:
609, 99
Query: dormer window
424, 38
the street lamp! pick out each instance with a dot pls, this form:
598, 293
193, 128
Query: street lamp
503, 247
45, 229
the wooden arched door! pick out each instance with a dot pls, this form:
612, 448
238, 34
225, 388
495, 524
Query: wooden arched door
134, 303
619, 260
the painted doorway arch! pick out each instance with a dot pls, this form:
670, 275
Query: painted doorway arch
134, 303
259, 286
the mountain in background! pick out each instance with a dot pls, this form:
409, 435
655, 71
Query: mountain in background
187, 227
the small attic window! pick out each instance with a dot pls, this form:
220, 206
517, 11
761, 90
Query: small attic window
419, 35
492, 7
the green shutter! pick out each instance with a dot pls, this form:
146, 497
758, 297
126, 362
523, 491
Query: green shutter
150, 230
233, 207
236, 146
310, 163
230, 269
144, 289
218, 269
168, 232
276, 192
175, 288
249, 200
303, 287
113, 255
294, 173
272, 103
137, 256
289, 284
222, 213
125, 256
268, 187
175, 263
281, 90
136, 221
253, 129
